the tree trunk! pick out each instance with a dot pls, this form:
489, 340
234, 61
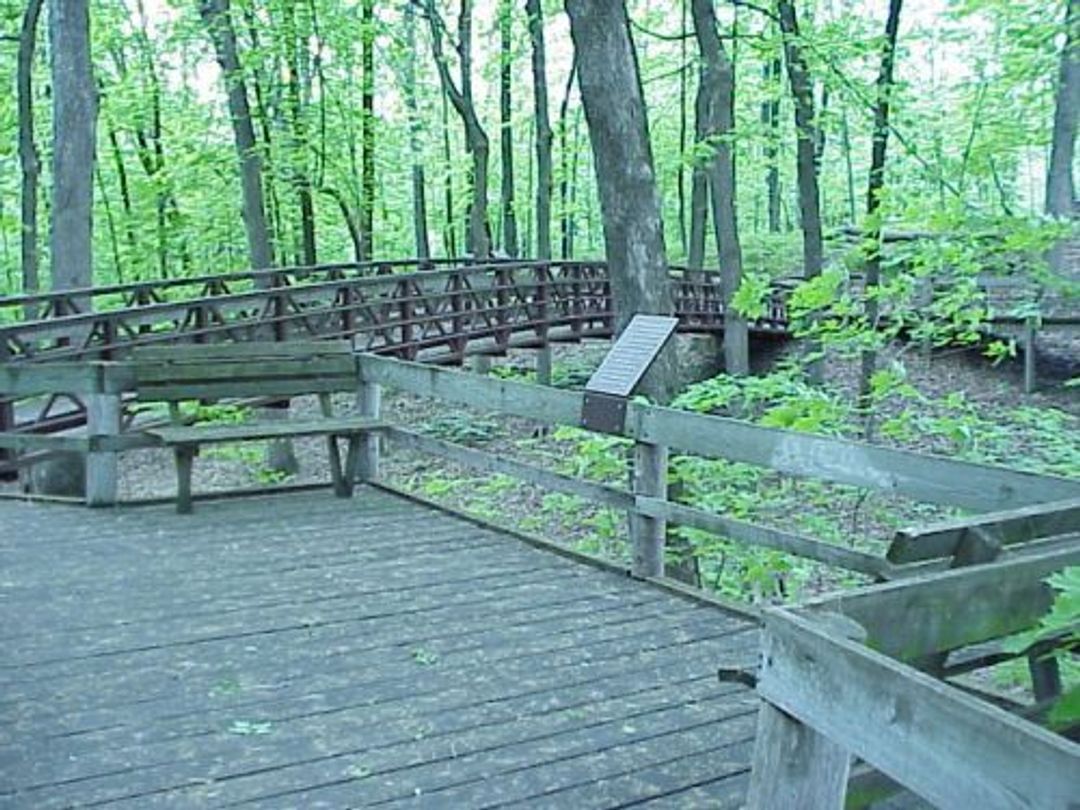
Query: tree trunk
699, 192
29, 160
420, 233
74, 124
874, 188
367, 125
506, 134
476, 139
806, 149
215, 14
802, 91
544, 171
684, 94
770, 117
301, 179
449, 228
1060, 193
611, 94
718, 79
566, 212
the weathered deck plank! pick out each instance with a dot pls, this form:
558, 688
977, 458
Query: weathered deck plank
304, 651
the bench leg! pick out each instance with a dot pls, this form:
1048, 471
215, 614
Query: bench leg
335, 465
352, 460
185, 461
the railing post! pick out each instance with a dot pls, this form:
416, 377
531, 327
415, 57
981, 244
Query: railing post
647, 533
7, 415
369, 402
795, 766
102, 419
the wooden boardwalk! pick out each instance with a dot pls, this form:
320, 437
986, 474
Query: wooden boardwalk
304, 651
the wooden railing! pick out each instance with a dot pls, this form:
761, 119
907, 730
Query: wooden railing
843, 677
860, 673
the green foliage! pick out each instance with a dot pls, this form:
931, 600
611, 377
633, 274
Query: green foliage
1061, 622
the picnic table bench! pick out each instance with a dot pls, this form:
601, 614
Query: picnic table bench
273, 371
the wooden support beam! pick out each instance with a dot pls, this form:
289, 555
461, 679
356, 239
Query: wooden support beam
924, 478
647, 532
914, 618
767, 537
1030, 333
103, 419
795, 766
948, 747
543, 365
1011, 527
366, 463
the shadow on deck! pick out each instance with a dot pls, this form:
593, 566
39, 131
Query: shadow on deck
304, 651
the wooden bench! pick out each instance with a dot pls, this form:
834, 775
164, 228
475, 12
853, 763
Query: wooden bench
179, 373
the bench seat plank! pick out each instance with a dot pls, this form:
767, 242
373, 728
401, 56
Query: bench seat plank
172, 435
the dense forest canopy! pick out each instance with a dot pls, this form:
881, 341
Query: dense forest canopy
357, 108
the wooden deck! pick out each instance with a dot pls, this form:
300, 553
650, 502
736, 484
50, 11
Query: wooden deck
304, 651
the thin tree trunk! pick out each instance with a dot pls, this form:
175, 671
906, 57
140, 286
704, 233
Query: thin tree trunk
718, 78
770, 117
544, 169
74, 124
449, 228
845, 134
419, 193
1060, 193
610, 84
29, 160
110, 225
874, 190
476, 139
699, 192
367, 125
809, 195
684, 92
506, 134
215, 14
125, 189
566, 213
298, 169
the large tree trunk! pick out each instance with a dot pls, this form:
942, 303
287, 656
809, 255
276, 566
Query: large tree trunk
29, 160
1060, 193
74, 124
875, 187
506, 134
718, 78
215, 14
544, 179
476, 139
611, 94
419, 183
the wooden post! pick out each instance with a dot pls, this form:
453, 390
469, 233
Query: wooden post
543, 366
369, 401
646, 533
1029, 355
795, 766
481, 364
103, 419
7, 417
